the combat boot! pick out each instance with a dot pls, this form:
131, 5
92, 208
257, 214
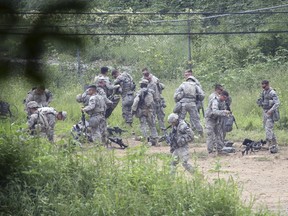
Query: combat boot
154, 141
274, 141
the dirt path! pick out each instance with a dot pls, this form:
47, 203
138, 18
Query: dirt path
262, 175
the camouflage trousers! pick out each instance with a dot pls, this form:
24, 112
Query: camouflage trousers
194, 116
98, 126
159, 112
127, 101
149, 120
50, 131
181, 154
215, 135
268, 124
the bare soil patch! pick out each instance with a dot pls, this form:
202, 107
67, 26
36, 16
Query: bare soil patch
261, 175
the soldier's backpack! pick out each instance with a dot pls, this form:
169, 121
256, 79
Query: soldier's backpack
228, 123
5, 109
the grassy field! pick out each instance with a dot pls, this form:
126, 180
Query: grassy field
43, 179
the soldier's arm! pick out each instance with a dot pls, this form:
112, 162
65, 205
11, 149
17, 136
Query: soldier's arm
135, 102
276, 101
216, 111
32, 121
178, 95
91, 105
186, 133
200, 93
107, 101
49, 96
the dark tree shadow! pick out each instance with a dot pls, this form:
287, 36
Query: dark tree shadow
30, 44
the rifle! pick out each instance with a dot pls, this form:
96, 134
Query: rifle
229, 109
169, 138
117, 130
118, 141
166, 136
84, 121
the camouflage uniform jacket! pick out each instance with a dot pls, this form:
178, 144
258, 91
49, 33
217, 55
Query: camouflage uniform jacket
84, 98
38, 122
126, 82
188, 91
216, 109
144, 101
269, 100
156, 86
181, 135
97, 105
48, 112
42, 99
108, 88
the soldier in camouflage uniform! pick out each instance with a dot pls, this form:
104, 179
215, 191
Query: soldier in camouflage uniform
217, 92
37, 122
159, 103
84, 97
52, 115
103, 81
40, 95
199, 103
180, 136
127, 93
142, 107
269, 101
185, 95
214, 116
96, 110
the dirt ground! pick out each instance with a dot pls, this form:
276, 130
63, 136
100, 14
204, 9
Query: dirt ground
262, 175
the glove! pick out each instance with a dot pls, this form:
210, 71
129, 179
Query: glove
116, 86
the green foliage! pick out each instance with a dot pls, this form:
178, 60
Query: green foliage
56, 181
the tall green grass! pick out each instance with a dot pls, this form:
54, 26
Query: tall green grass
44, 179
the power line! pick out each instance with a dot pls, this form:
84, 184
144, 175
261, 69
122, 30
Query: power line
150, 33
256, 11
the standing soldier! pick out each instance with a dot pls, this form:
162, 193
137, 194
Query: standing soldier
269, 102
214, 116
199, 102
157, 87
217, 91
40, 95
185, 96
142, 107
103, 81
127, 85
96, 110
52, 115
180, 136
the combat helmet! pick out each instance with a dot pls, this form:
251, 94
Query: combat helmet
173, 117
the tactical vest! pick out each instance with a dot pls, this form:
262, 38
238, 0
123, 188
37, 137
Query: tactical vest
267, 99
127, 84
189, 89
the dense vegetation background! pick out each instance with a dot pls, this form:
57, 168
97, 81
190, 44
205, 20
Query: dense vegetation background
63, 45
